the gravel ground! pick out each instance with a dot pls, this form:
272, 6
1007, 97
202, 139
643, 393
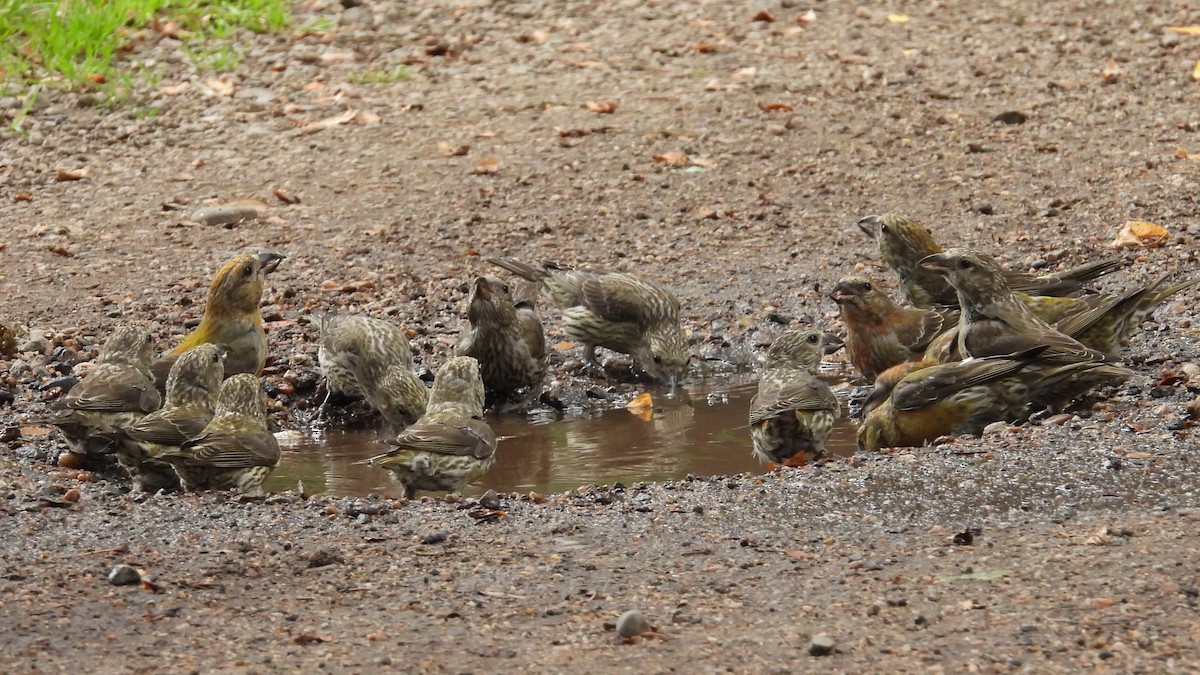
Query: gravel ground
744, 143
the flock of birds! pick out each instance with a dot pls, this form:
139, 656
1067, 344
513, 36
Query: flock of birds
979, 344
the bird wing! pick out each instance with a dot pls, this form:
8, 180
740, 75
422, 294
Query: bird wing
115, 395
170, 427
933, 323
229, 448
624, 298
801, 393
460, 438
995, 338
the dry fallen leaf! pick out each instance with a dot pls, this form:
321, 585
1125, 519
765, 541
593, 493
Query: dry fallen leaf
1140, 233
66, 175
447, 150
285, 196
1100, 603
1196, 72
97, 78
1111, 71
1184, 30
328, 122
806, 18
764, 16
603, 107
564, 346
775, 107
642, 406
336, 58
173, 89
705, 48
673, 158
366, 118
1184, 154
487, 166
897, 18
219, 87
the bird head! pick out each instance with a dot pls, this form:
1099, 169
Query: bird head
872, 433
242, 395
238, 287
197, 373
490, 302
664, 354
130, 345
802, 349
898, 233
972, 273
458, 383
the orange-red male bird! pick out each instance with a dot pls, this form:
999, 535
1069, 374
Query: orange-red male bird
880, 334
231, 317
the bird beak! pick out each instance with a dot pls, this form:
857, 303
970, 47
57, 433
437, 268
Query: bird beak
483, 288
673, 382
938, 263
268, 261
842, 293
869, 225
832, 342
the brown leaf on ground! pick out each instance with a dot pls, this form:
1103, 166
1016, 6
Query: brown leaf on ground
285, 196
763, 16
447, 150
1111, 72
1141, 233
63, 175
775, 107
328, 122
673, 158
487, 166
806, 18
602, 107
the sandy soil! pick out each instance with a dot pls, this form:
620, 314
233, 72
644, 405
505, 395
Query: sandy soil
740, 153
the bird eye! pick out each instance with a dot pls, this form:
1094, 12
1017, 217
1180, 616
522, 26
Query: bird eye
247, 270
867, 286
964, 264
657, 358
883, 228
812, 339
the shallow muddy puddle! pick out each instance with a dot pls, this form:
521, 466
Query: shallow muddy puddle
703, 432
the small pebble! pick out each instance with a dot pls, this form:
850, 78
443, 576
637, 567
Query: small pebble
995, 428
225, 214
821, 645
124, 575
434, 537
632, 623
490, 500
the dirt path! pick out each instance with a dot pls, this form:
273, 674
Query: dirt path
739, 155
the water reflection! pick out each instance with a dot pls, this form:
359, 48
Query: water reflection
703, 433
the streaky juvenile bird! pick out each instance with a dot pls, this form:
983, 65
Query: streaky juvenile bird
236, 450
507, 340
371, 358
617, 311
793, 412
116, 393
451, 446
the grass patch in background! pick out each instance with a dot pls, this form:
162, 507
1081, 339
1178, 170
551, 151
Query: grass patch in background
73, 43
